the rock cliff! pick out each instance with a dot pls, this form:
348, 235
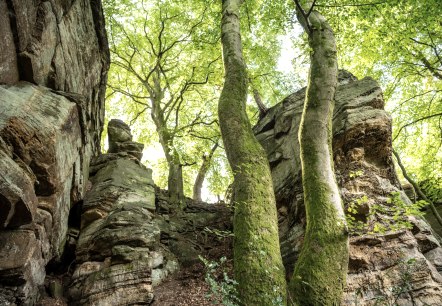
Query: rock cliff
402, 264
130, 237
53, 65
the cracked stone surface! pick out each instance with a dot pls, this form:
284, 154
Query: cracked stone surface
363, 165
53, 69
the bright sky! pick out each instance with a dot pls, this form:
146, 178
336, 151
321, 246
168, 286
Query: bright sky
153, 153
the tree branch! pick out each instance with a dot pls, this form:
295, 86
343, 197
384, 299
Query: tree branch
304, 16
416, 121
417, 189
350, 4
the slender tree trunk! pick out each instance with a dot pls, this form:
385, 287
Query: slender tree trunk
262, 108
320, 272
175, 177
417, 189
175, 180
257, 259
207, 159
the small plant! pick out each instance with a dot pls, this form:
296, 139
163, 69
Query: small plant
406, 268
356, 227
222, 287
399, 212
392, 216
355, 174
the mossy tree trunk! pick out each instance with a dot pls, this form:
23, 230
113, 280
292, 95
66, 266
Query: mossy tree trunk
320, 272
257, 259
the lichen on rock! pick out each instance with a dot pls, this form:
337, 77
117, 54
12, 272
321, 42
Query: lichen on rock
364, 168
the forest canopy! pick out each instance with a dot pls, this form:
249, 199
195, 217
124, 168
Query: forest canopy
166, 61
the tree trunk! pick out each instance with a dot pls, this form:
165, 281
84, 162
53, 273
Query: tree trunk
257, 259
175, 177
320, 272
175, 182
207, 159
262, 108
417, 188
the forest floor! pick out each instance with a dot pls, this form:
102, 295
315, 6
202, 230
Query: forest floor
189, 287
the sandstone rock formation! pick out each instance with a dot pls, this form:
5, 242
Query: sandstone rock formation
53, 64
117, 249
131, 238
401, 264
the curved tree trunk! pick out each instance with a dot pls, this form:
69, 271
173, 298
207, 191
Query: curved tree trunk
417, 188
320, 272
175, 177
257, 259
198, 185
261, 106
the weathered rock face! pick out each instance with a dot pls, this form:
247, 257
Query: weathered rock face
117, 249
53, 66
402, 264
131, 238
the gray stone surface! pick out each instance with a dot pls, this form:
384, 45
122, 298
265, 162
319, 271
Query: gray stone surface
42, 143
120, 140
8, 55
49, 130
119, 243
127, 244
363, 166
119, 239
22, 269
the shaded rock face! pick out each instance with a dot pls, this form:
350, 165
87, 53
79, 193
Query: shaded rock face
382, 267
131, 237
53, 66
117, 248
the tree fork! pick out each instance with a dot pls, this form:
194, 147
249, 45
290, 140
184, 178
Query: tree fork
257, 259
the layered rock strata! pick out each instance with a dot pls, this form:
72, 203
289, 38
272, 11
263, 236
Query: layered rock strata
131, 237
401, 265
53, 65
117, 249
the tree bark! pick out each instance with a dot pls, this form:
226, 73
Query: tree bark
320, 272
417, 189
257, 259
175, 181
262, 108
175, 176
198, 185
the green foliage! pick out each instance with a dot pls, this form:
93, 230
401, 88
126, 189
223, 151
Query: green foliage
165, 65
158, 48
432, 188
355, 174
355, 226
390, 216
222, 287
399, 43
